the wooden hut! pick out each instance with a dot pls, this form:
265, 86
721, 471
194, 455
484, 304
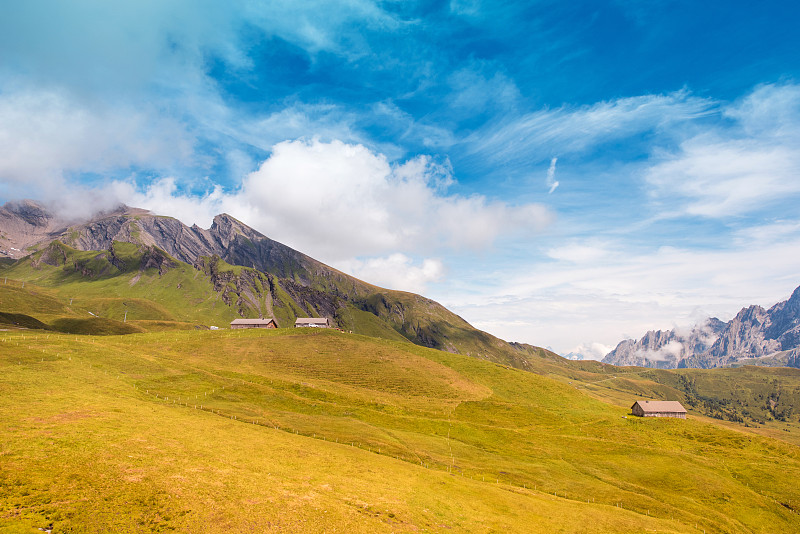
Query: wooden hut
658, 409
313, 322
253, 323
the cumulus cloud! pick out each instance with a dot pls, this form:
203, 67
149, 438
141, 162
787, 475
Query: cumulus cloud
352, 208
46, 136
340, 201
164, 197
396, 271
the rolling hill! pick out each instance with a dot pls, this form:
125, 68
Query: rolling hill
321, 431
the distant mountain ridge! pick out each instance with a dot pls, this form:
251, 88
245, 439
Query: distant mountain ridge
755, 335
267, 276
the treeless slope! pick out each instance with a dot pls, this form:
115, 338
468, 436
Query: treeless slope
316, 431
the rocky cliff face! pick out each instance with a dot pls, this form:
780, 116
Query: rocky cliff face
785, 322
753, 333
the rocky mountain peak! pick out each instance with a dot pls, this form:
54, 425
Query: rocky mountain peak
121, 210
31, 212
226, 226
753, 333
24, 224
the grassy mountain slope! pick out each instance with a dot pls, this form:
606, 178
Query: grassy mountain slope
155, 299
303, 285
153, 288
765, 400
306, 431
143, 282
150, 285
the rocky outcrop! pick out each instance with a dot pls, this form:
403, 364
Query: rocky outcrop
753, 333
793, 358
23, 225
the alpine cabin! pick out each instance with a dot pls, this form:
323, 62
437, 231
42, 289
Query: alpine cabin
253, 323
658, 409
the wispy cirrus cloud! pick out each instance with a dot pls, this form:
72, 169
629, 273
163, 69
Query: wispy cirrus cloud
481, 87
534, 136
748, 163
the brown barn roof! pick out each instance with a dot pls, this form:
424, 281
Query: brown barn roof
252, 321
660, 406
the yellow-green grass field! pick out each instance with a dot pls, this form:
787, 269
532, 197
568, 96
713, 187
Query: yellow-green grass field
320, 431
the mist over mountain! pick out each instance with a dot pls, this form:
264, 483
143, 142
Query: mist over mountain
754, 335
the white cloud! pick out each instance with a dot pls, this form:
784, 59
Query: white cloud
318, 25
735, 169
164, 197
42, 133
45, 136
350, 207
671, 351
396, 271
122, 47
551, 176
465, 8
769, 110
391, 117
566, 129
326, 121
338, 201
480, 87
719, 178
578, 252
591, 351
592, 298
769, 232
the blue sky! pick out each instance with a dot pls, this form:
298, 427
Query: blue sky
563, 174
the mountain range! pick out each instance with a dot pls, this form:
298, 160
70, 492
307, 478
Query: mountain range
754, 336
231, 270
246, 273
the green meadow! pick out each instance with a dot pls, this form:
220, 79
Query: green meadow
322, 431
